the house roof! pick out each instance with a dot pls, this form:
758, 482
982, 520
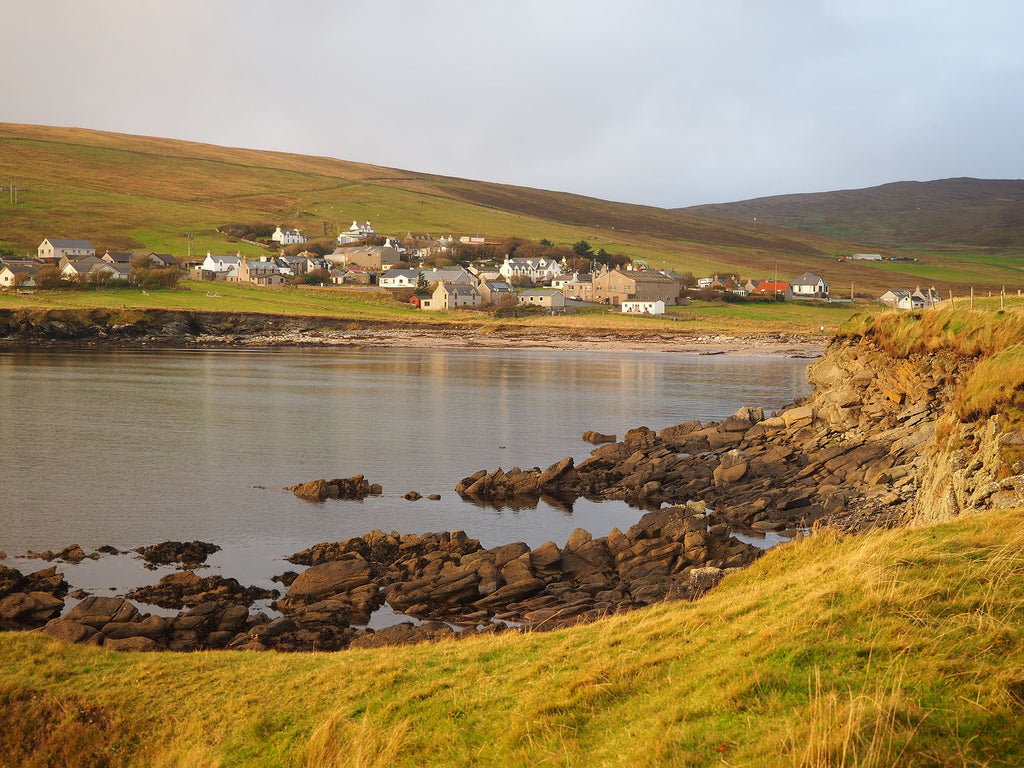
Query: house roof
768, 287
58, 242
648, 276
539, 292
493, 286
807, 278
457, 289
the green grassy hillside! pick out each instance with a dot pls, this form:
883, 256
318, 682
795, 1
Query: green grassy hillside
130, 192
896, 648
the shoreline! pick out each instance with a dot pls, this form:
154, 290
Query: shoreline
789, 345
103, 328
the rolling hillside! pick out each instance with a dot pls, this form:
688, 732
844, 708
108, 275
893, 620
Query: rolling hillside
949, 214
130, 192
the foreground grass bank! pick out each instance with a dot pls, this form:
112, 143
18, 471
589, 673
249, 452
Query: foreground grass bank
896, 648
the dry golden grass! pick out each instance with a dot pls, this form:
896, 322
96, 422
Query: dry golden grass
897, 648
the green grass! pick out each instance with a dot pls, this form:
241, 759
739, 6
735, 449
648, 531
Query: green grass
377, 305
897, 648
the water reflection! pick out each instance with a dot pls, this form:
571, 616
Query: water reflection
136, 447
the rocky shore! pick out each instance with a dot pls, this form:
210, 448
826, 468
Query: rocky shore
878, 443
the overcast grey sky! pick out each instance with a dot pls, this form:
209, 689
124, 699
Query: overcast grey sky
662, 102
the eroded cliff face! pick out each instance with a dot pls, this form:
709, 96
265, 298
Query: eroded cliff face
944, 464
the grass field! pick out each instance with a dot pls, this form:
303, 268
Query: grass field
377, 305
897, 648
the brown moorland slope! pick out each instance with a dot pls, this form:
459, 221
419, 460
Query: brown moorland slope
961, 213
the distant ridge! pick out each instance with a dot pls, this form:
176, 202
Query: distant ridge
946, 214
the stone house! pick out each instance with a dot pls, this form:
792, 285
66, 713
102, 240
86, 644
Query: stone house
262, 272
614, 286
376, 258
547, 298
452, 296
495, 292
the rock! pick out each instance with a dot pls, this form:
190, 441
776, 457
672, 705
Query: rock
705, 579
179, 589
731, 469
596, 438
189, 553
71, 554
96, 612
412, 496
69, 631
795, 418
339, 488
330, 578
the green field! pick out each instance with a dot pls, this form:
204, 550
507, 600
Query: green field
378, 305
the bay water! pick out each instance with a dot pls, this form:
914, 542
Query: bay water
134, 447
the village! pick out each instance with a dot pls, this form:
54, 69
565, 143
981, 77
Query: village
409, 270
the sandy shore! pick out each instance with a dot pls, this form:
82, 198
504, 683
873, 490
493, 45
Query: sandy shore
790, 345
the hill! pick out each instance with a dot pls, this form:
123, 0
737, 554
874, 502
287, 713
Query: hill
949, 214
131, 192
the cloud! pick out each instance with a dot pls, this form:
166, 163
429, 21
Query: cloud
666, 103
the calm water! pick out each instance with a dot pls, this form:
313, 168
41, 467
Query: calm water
129, 448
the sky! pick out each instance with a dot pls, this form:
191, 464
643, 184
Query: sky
667, 103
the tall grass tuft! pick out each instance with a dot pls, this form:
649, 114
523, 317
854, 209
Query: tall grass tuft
869, 730
342, 742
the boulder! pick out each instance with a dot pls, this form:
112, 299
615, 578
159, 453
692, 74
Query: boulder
339, 488
732, 468
331, 578
184, 552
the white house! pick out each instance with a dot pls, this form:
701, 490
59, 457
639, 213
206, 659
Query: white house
400, 278
220, 263
11, 276
644, 307
55, 248
906, 299
538, 270
287, 236
356, 232
807, 286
